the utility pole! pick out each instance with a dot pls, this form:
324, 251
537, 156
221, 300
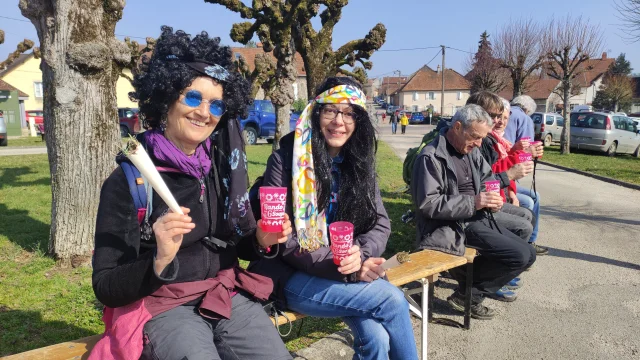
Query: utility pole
442, 94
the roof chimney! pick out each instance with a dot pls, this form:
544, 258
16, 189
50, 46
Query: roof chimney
438, 69
604, 55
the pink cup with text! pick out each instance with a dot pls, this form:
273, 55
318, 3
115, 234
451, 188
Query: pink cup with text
524, 157
341, 234
492, 186
272, 205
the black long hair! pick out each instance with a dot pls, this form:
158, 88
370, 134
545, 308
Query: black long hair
357, 192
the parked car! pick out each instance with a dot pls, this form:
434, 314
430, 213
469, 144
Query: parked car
637, 121
38, 116
261, 122
3, 131
391, 109
604, 132
416, 118
129, 121
548, 127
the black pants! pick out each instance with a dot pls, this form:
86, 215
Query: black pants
502, 257
403, 127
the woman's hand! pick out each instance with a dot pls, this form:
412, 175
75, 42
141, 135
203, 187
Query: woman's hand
371, 269
536, 151
266, 239
351, 263
521, 145
169, 230
514, 198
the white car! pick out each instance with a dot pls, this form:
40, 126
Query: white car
3, 131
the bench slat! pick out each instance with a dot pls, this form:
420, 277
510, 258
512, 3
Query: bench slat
70, 350
423, 264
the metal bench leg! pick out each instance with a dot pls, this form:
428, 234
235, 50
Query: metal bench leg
467, 297
426, 294
431, 294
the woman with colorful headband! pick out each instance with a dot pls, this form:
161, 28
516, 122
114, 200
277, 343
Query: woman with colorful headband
171, 282
328, 166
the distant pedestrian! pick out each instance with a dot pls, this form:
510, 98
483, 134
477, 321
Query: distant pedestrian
394, 122
384, 116
404, 121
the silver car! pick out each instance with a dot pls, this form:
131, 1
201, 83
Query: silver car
609, 133
3, 131
548, 127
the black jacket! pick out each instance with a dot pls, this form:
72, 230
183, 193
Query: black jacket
320, 262
123, 269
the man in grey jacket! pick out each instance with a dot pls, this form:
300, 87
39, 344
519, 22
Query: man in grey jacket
454, 209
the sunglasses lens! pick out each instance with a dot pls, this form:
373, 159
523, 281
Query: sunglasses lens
193, 98
217, 108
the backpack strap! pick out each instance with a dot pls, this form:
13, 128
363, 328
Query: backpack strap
136, 188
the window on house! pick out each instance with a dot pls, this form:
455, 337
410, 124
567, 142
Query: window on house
415, 96
432, 95
37, 89
459, 95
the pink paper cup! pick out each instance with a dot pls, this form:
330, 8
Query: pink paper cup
341, 234
272, 205
525, 157
492, 186
526, 138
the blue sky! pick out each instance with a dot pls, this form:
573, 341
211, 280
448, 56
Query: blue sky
409, 23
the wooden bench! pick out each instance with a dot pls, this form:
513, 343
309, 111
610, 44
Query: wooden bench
424, 267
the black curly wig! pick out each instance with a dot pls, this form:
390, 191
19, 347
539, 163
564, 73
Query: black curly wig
162, 77
357, 192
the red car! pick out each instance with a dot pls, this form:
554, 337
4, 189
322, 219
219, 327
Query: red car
129, 121
38, 116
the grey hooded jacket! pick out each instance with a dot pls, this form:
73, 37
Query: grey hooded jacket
441, 212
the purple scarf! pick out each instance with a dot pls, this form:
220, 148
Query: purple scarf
196, 165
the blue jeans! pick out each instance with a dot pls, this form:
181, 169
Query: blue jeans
532, 202
394, 127
376, 312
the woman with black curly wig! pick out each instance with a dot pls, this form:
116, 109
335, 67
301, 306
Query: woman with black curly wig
328, 166
174, 290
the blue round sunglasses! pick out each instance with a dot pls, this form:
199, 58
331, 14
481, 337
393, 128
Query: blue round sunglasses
193, 98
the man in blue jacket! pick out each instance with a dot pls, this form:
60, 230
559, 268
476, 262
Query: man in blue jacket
520, 123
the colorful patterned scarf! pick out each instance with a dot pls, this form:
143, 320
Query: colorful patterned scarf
311, 226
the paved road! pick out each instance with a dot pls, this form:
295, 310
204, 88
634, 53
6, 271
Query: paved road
582, 301
7, 151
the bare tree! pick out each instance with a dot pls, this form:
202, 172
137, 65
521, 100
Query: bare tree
25, 45
519, 49
273, 23
261, 77
629, 13
568, 44
1, 37
135, 54
320, 61
81, 63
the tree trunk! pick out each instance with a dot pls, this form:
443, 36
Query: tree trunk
316, 71
81, 62
282, 95
566, 135
517, 86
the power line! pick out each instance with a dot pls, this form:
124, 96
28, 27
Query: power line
23, 20
438, 53
10, 18
448, 47
411, 49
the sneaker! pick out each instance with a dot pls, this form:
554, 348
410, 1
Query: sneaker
504, 294
539, 249
516, 283
478, 311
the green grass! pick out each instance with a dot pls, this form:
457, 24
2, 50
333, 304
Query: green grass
26, 142
621, 167
42, 304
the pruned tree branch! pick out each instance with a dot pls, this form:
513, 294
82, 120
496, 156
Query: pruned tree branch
25, 45
629, 14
